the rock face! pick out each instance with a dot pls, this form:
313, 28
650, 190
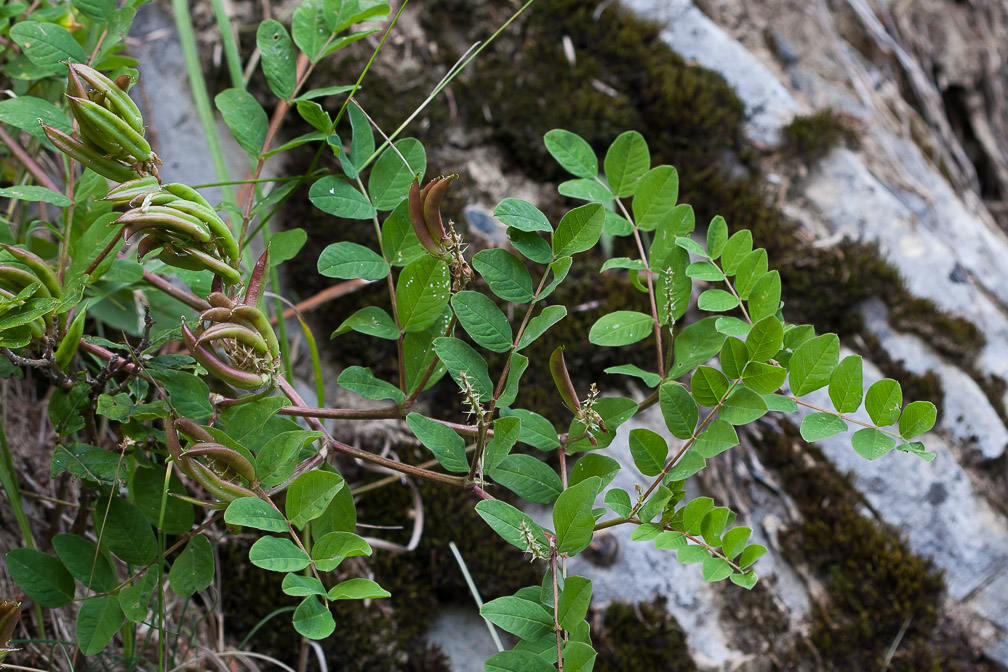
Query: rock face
940, 235
925, 185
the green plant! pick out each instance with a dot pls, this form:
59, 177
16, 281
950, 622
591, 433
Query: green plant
152, 434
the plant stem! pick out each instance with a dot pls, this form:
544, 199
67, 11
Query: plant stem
650, 285
556, 614
171, 290
845, 418
194, 68
359, 454
382, 413
28, 162
686, 446
230, 48
104, 253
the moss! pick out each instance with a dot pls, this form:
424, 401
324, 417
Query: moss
624, 77
810, 137
388, 634
430, 573
875, 585
641, 636
954, 337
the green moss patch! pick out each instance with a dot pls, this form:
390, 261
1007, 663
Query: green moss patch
810, 137
641, 636
876, 587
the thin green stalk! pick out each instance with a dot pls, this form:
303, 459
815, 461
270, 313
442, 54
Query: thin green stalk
183, 22
475, 593
9, 482
442, 84
231, 56
281, 324
315, 360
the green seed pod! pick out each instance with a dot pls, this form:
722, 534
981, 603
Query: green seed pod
16, 278
71, 341
105, 127
164, 217
222, 235
224, 457
119, 101
242, 334
88, 157
221, 269
218, 487
261, 323
187, 193
127, 191
38, 266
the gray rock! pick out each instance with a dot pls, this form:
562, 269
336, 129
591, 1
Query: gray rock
464, 638
689, 32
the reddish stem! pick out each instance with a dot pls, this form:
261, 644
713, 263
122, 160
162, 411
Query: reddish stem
28, 162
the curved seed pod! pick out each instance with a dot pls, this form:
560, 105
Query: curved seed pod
187, 193
144, 201
172, 258
197, 210
89, 158
75, 86
243, 380
127, 191
558, 369
224, 315
417, 219
175, 447
244, 335
227, 273
17, 277
39, 266
94, 134
254, 290
117, 97
116, 128
222, 235
220, 300
427, 188
37, 327
160, 216
218, 487
224, 457
432, 208
261, 323
216, 314
71, 341
213, 506
147, 245
193, 430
